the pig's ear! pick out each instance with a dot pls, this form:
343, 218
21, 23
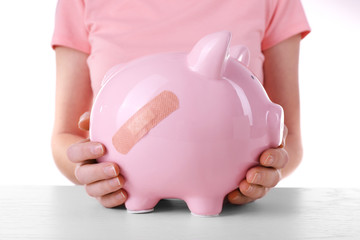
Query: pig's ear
209, 54
241, 53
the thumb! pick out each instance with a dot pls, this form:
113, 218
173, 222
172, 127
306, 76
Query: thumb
84, 121
284, 137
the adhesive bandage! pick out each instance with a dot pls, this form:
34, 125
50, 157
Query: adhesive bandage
144, 120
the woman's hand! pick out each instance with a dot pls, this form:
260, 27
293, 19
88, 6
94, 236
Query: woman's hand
282, 85
261, 178
102, 180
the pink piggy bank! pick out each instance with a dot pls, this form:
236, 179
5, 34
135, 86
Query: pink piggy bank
185, 125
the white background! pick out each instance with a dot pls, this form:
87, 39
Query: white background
329, 78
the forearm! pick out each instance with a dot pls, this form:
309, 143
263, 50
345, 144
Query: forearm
281, 84
60, 143
73, 98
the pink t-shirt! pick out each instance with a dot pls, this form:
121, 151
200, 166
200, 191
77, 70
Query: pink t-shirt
117, 31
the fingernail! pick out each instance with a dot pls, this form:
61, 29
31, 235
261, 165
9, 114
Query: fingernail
97, 150
249, 188
121, 196
256, 178
85, 116
236, 198
110, 171
115, 182
269, 160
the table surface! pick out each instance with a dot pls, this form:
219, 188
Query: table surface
66, 212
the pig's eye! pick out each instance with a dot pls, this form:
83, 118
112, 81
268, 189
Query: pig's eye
252, 77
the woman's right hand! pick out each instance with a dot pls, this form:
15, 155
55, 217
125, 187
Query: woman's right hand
101, 180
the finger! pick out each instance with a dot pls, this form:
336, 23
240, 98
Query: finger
236, 197
285, 133
90, 173
276, 158
113, 199
84, 121
266, 177
252, 191
82, 151
104, 187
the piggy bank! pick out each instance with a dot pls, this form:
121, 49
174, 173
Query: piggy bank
185, 125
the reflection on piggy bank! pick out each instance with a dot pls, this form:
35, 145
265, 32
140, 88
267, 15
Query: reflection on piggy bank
185, 125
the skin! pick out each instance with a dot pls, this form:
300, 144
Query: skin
281, 84
74, 153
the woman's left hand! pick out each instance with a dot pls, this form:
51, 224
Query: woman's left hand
260, 179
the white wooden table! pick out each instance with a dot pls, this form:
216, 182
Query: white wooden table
66, 212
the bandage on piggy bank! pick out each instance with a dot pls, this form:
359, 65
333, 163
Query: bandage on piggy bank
185, 125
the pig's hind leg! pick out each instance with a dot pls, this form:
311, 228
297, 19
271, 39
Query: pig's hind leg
205, 206
140, 204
